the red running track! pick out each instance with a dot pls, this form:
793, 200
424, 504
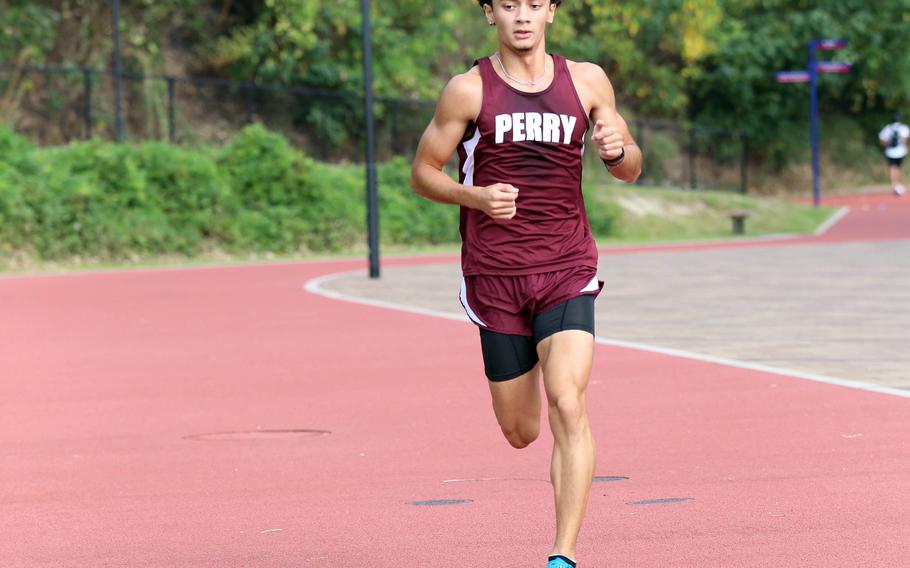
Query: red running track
105, 378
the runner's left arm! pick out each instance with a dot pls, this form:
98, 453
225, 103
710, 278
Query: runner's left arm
611, 134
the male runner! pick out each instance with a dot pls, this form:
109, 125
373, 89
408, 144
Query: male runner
893, 138
518, 120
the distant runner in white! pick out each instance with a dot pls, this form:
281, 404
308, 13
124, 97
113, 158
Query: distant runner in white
893, 138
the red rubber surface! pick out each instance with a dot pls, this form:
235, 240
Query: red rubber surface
103, 376
872, 217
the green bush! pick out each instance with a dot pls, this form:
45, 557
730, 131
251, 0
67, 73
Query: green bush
15, 150
336, 212
282, 201
189, 189
110, 201
407, 218
18, 170
16, 218
603, 212
113, 201
264, 171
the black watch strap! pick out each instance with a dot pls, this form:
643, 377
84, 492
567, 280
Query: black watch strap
617, 160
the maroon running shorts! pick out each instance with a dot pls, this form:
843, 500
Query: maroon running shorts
509, 304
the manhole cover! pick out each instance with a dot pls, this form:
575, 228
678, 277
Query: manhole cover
661, 501
258, 435
438, 502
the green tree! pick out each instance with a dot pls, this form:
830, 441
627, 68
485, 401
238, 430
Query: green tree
736, 88
313, 43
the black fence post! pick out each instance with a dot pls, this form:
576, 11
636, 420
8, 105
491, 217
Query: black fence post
87, 109
171, 128
370, 143
248, 102
118, 71
393, 119
744, 163
693, 179
318, 120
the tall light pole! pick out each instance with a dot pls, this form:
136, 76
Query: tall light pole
118, 111
370, 142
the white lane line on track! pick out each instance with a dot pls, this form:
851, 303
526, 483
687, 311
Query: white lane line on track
832, 220
315, 286
754, 367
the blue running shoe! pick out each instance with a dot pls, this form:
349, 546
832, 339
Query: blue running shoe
560, 561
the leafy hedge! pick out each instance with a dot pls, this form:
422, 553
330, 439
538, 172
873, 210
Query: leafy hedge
113, 201
109, 201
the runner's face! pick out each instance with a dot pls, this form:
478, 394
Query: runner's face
521, 23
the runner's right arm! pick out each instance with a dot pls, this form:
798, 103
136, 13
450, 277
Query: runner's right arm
458, 106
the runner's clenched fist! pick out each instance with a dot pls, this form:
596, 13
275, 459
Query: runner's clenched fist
608, 140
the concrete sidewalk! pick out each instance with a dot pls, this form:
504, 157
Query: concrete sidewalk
837, 305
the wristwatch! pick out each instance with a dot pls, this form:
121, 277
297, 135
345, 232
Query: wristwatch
617, 160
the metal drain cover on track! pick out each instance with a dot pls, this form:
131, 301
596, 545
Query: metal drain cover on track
661, 501
609, 478
439, 502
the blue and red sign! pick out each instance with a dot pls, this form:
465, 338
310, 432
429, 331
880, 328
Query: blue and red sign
833, 67
830, 44
810, 76
793, 77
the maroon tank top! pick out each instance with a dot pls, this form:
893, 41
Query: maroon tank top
535, 142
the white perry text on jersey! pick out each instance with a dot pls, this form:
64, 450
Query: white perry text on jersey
535, 127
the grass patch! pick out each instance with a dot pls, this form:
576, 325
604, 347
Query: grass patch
641, 214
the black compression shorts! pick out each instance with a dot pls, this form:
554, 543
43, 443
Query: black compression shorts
507, 356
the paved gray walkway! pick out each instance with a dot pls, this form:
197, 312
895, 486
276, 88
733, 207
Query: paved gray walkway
841, 310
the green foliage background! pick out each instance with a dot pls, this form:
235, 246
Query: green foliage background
709, 62
706, 61
98, 201
106, 201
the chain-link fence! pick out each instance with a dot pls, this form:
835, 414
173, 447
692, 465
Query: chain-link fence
692, 156
55, 105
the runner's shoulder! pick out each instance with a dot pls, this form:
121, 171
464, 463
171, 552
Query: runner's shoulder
466, 84
589, 73
463, 94
592, 85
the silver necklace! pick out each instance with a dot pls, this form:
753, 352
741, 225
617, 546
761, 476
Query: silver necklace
531, 83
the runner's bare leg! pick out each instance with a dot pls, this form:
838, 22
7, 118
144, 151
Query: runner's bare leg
516, 403
566, 359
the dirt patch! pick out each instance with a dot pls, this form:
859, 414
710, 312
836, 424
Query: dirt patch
643, 206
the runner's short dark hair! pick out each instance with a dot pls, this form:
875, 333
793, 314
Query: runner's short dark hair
490, 2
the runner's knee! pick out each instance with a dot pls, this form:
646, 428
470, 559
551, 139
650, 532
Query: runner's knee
521, 435
568, 410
